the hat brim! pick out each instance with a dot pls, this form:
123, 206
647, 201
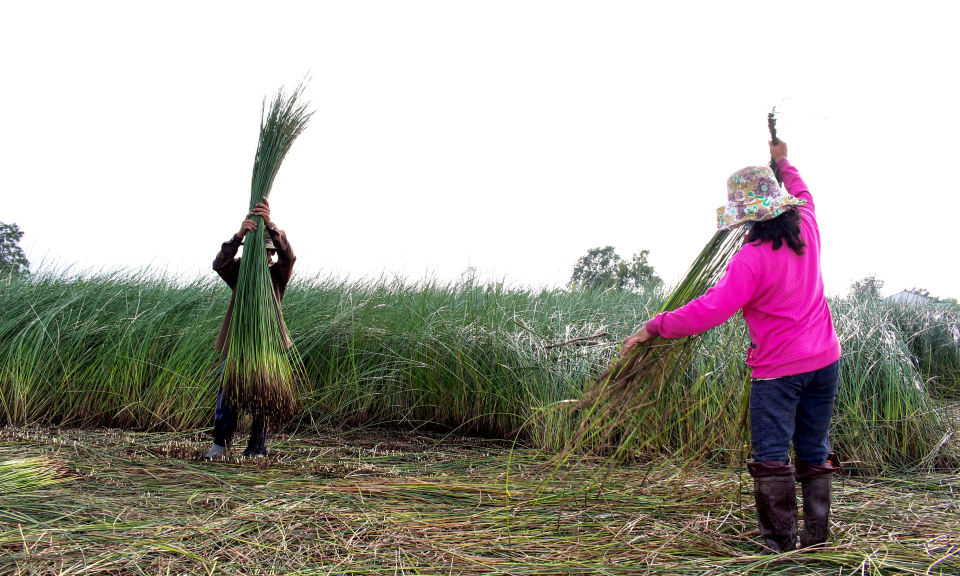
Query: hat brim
729, 217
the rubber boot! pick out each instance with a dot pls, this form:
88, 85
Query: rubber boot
816, 483
816, 510
776, 498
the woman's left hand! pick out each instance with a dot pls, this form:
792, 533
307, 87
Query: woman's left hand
641, 336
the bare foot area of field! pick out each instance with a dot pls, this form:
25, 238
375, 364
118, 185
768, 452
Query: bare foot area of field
385, 502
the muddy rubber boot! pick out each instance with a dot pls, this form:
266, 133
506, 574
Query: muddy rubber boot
816, 510
816, 484
776, 498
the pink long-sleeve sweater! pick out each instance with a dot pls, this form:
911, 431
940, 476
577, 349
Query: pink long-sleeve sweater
781, 294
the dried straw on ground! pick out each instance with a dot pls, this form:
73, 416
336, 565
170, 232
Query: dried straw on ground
112, 502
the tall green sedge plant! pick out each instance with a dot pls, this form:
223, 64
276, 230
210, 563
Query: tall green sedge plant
260, 374
133, 349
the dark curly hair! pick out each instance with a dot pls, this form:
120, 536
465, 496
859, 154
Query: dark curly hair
783, 228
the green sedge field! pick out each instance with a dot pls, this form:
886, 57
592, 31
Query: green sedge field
432, 414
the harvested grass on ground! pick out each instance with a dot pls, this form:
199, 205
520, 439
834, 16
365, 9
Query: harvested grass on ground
381, 502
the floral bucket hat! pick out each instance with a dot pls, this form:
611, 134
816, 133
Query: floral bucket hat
753, 196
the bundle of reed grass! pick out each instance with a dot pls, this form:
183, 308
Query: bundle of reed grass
260, 373
621, 413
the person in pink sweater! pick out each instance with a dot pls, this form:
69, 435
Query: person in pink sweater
794, 352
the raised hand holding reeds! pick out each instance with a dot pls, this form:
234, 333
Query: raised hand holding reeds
774, 140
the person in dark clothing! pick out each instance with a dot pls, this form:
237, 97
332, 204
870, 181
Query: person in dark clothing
227, 265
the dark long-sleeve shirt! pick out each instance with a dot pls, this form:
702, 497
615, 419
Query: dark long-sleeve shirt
227, 265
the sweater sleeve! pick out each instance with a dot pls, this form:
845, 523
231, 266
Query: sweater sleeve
722, 301
226, 264
794, 183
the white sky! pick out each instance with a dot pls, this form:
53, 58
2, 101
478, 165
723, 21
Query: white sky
507, 136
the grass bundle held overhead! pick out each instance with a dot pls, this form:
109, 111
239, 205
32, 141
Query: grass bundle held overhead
632, 403
260, 374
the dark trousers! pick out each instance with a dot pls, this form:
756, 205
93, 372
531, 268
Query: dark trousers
793, 408
225, 423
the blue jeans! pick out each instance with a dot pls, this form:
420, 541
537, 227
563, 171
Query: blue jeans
797, 408
225, 423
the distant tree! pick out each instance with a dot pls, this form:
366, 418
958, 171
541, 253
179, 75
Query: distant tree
603, 268
638, 274
597, 270
868, 287
12, 258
